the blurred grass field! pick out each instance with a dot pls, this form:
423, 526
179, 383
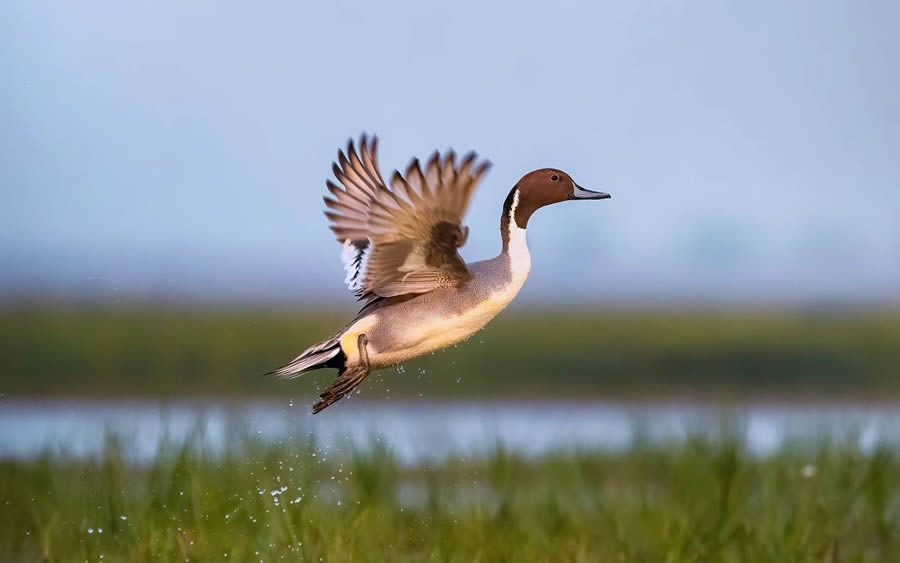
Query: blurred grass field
146, 352
705, 499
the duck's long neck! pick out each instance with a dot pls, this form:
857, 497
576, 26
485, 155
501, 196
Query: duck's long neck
515, 246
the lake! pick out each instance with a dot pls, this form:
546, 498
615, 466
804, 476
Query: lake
423, 430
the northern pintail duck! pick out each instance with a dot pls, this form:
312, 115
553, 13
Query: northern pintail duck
399, 248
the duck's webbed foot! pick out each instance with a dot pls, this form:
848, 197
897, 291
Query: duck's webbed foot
347, 380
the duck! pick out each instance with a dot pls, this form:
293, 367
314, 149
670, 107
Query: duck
400, 249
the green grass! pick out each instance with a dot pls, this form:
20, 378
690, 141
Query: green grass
146, 352
702, 500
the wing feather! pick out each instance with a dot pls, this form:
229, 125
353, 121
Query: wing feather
404, 238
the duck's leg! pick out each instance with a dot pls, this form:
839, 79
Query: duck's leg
347, 379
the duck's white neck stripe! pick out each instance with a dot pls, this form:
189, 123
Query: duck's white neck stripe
513, 228
517, 249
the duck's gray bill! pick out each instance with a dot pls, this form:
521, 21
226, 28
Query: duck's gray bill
581, 193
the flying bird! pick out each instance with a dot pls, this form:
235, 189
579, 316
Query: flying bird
400, 246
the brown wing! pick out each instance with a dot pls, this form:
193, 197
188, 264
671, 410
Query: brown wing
402, 239
361, 180
350, 205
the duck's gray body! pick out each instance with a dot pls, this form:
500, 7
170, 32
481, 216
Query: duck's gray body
400, 252
400, 329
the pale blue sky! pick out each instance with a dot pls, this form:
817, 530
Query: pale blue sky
179, 149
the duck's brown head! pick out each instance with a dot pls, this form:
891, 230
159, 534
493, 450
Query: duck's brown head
544, 187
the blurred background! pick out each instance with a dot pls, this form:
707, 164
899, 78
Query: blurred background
704, 367
162, 235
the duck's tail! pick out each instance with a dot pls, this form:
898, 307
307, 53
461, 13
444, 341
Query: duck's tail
326, 354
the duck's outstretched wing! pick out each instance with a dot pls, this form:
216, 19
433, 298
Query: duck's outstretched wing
350, 205
404, 238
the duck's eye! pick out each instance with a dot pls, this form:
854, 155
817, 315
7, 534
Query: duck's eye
554, 178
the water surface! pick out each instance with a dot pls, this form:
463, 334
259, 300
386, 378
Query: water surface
416, 430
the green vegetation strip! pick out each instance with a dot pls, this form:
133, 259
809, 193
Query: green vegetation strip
702, 500
176, 353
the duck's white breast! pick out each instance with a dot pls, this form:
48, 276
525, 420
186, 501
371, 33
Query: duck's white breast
443, 317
